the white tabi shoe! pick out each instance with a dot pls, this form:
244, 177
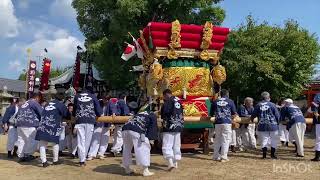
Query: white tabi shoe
170, 165
175, 164
224, 160
101, 157
89, 158
146, 172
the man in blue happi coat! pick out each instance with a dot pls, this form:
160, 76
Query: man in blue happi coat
28, 118
49, 129
223, 109
247, 132
136, 134
296, 124
9, 122
173, 123
315, 109
101, 134
268, 125
86, 109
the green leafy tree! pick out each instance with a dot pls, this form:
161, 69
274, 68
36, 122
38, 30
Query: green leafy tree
260, 57
106, 23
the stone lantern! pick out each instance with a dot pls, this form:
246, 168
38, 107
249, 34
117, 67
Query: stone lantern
48, 94
4, 99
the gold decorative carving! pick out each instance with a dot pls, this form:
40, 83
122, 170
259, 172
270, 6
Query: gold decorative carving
219, 74
175, 35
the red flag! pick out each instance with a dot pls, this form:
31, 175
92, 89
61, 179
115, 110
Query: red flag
128, 52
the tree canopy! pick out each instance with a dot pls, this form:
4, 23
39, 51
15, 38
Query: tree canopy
106, 23
260, 57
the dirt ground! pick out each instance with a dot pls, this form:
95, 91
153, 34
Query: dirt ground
242, 165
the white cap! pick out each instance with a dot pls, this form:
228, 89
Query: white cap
290, 101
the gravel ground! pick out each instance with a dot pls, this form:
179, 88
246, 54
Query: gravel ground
242, 165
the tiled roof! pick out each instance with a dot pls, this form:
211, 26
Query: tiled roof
13, 85
67, 76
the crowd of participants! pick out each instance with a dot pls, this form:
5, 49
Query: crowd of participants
71, 124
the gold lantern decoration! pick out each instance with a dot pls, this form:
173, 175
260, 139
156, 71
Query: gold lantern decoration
219, 74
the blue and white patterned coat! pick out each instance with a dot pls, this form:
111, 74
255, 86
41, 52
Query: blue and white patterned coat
223, 109
50, 124
293, 113
10, 111
172, 115
245, 111
268, 116
86, 108
29, 114
143, 123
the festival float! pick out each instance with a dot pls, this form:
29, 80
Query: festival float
185, 59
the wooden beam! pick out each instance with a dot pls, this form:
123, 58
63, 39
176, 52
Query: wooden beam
124, 119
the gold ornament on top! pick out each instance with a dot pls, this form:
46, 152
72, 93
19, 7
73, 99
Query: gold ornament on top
206, 41
175, 35
219, 74
29, 53
207, 36
175, 40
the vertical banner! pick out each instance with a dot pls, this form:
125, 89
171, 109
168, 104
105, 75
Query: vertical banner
89, 77
31, 78
44, 82
76, 74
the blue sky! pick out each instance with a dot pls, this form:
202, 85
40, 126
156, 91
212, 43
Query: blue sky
275, 12
51, 24
37, 24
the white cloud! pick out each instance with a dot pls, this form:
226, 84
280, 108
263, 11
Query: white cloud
38, 29
60, 33
62, 50
42, 30
15, 65
62, 8
61, 45
8, 21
